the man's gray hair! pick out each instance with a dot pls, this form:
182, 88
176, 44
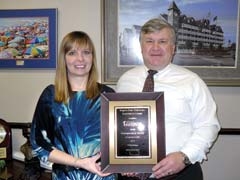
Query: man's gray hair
156, 25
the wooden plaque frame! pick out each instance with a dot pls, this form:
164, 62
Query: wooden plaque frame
152, 104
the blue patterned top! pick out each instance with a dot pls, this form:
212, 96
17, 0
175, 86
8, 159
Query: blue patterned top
73, 128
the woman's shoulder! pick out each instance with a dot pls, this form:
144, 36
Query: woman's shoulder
48, 91
105, 88
49, 88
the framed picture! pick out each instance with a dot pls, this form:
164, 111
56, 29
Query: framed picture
207, 38
28, 38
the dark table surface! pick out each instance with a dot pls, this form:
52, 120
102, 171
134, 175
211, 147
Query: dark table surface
18, 170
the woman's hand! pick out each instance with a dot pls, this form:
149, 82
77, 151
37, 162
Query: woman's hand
91, 165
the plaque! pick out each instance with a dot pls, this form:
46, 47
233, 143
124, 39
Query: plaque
5, 141
132, 131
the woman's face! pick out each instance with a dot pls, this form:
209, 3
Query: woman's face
79, 61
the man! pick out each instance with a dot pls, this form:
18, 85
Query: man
191, 122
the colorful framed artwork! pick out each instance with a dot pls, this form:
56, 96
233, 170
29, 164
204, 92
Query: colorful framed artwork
207, 38
28, 38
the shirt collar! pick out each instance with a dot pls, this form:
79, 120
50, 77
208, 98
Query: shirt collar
159, 71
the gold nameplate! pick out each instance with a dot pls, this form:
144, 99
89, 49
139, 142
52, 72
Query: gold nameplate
3, 153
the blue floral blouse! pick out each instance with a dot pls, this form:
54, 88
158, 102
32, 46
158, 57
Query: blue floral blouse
73, 128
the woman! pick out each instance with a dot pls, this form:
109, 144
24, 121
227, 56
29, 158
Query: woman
66, 123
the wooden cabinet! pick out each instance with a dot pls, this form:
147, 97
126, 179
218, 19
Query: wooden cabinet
17, 170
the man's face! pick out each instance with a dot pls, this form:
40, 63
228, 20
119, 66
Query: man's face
157, 49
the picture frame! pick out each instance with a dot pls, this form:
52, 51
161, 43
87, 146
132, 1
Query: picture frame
132, 131
28, 38
111, 70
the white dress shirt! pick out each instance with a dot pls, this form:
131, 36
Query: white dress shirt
191, 123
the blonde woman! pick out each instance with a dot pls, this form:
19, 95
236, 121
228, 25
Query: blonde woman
66, 123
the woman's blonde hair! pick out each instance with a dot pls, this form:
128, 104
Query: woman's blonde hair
62, 87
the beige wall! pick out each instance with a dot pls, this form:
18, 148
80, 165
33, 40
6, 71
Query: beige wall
20, 89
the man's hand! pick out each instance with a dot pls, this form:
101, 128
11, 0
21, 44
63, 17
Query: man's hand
171, 164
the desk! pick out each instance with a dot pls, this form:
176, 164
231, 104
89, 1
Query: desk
19, 171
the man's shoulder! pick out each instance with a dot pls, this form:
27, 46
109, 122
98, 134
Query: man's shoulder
185, 73
182, 69
130, 78
134, 70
